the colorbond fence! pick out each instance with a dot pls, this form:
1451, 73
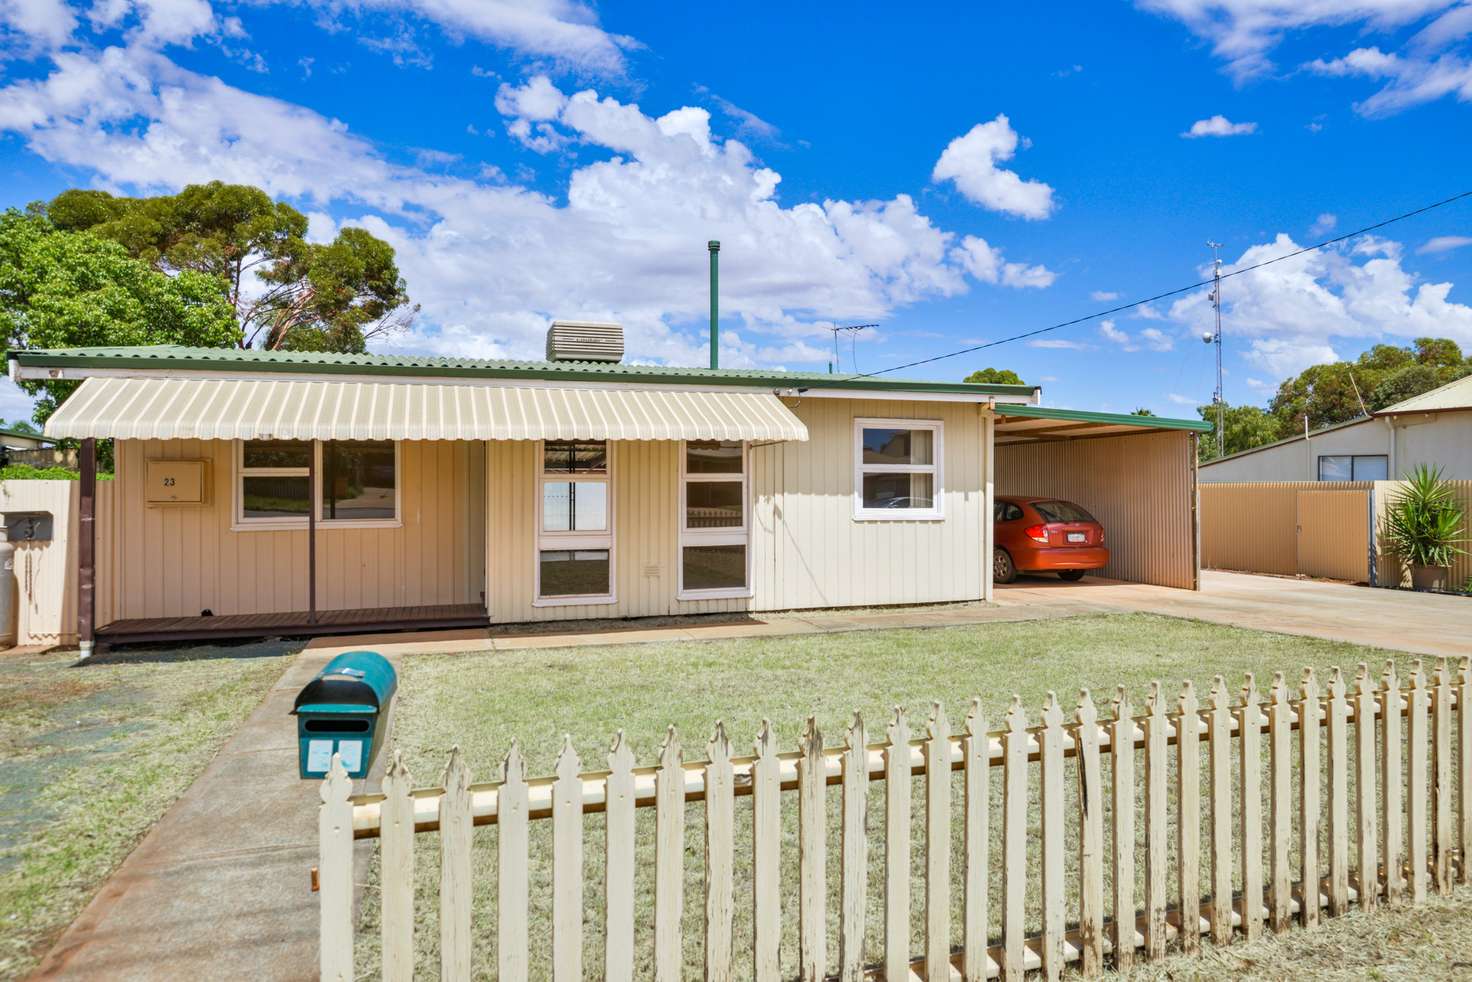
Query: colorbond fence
1351, 787
1260, 528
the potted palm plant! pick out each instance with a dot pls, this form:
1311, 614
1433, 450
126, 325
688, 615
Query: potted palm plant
1424, 528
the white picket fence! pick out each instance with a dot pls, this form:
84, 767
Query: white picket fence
1380, 845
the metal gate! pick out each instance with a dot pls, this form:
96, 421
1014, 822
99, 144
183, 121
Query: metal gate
1334, 534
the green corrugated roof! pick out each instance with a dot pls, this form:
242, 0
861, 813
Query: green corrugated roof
1118, 419
166, 357
25, 435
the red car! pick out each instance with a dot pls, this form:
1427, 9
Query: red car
1039, 535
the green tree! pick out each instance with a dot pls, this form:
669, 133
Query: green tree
1142, 411
286, 292
62, 289
1245, 426
20, 426
1384, 375
995, 376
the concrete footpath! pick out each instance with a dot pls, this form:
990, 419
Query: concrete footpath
220, 887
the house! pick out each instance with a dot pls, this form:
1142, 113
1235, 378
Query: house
276, 492
22, 440
1433, 428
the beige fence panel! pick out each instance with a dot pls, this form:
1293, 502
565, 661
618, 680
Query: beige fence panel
1360, 731
1334, 534
1254, 528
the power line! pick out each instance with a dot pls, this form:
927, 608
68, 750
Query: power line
1168, 293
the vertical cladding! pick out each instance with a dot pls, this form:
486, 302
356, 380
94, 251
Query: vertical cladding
174, 561
807, 549
1139, 487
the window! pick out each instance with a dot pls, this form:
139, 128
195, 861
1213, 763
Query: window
1006, 511
574, 524
897, 472
714, 528
1061, 511
1354, 467
358, 482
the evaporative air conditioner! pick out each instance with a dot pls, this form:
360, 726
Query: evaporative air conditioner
584, 341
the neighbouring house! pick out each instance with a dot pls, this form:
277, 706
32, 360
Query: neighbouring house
1433, 428
276, 492
22, 440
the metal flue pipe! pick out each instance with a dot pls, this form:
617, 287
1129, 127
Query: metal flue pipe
715, 311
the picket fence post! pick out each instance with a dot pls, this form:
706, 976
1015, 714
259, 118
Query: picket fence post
1015, 741
1391, 825
335, 874
1188, 816
618, 863
855, 852
1364, 788
976, 757
512, 841
455, 827
897, 848
720, 851
1280, 723
1157, 732
1122, 840
1308, 797
812, 887
396, 865
766, 843
1249, 728
1091, 835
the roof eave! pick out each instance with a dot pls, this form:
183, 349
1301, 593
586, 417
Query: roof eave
76, 365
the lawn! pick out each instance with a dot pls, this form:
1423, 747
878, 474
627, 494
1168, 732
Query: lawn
90, 757
480, 702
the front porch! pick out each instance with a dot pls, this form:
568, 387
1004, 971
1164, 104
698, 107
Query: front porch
297, 623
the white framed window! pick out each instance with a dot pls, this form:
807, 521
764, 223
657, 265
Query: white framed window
574, 554
357, 480
897, 470
715, 521
1354, 467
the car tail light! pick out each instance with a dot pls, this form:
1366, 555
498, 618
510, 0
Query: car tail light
1101, 535
1037, 533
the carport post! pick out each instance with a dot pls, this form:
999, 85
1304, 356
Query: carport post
87, 550
988, 500
312, 533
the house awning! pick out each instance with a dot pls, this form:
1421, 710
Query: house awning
284, 409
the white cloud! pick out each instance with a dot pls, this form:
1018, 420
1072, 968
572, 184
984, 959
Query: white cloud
1293, 312
985, 263
1156, 339
1114, 334
1059, 344
30, 25
1409, 80
1444, 243
1103, 296
970, 161
1218, 125
565, 30
1243, 33
491, 260
1323, 224
1181, 400
1152, 338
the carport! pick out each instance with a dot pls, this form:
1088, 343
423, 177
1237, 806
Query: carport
1136, 474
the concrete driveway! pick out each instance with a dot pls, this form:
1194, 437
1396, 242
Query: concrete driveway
1430, 624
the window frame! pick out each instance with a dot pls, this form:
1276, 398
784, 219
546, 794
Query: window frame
936, 469
239, 523
574, 541
1352, 458
713, 537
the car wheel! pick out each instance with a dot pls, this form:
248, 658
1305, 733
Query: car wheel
1071, 575
1002, 569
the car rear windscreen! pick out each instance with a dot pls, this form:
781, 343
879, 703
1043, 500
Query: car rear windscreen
1062, 511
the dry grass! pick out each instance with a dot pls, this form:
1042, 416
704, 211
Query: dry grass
481, 702
90, 757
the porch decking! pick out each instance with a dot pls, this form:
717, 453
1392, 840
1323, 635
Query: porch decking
295, 623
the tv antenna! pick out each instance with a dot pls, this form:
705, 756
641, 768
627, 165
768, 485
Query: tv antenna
1215, 337
853, 330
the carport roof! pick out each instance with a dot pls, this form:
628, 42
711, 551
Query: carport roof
1042, 424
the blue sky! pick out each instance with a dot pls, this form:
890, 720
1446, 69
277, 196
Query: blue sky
955, 175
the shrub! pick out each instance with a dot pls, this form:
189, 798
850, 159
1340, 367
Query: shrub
1423, 526
25, 472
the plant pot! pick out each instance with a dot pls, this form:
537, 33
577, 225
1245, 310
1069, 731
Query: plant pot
1429, 577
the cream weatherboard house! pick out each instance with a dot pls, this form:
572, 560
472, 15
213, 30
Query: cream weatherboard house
276, 493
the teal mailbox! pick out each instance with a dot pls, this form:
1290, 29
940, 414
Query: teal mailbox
342, 711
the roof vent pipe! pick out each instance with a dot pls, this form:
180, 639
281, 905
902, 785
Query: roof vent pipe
715, 311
